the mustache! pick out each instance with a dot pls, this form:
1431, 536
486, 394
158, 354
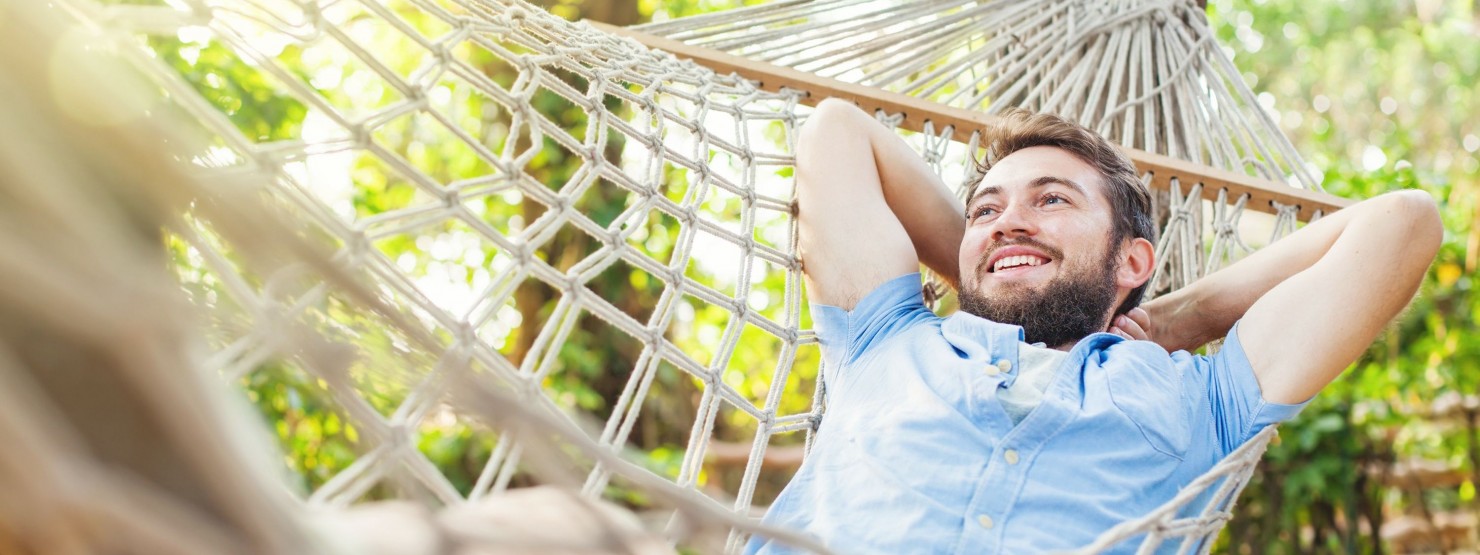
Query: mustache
984, 263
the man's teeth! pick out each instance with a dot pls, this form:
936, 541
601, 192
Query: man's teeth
1019, 260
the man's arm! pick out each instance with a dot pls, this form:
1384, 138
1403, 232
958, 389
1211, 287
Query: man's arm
869, 208
1311, 302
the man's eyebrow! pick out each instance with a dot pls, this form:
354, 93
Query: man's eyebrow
984, 191
1038, 183
1050, 179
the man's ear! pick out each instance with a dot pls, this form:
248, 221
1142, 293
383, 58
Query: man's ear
1137, 263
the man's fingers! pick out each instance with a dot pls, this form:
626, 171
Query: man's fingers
1140, 317
1129, 328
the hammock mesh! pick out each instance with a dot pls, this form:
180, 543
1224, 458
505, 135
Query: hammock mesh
682, 187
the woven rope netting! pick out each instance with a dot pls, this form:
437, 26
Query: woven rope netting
1147, 75
425, 142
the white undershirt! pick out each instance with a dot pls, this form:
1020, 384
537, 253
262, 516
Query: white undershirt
1036, 364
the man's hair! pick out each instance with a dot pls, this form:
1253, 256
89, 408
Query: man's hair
1130, 202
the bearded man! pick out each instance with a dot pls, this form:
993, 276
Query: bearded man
1050, 407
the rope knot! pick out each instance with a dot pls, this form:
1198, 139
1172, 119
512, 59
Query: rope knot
523, 254
466, 338
560, 203
356, 246
653, 143
572, 286
397, 438
794, 264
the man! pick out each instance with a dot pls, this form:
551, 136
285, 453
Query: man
958, 434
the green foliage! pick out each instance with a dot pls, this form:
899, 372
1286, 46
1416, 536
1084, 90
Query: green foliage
1379, 97
317, 442
455, 150
237, 89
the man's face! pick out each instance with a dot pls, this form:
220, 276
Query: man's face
1037, 247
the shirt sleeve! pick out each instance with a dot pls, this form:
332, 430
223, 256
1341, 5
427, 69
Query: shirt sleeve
847, 335
1239, 408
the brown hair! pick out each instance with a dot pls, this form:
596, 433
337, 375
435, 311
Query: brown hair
1130, 202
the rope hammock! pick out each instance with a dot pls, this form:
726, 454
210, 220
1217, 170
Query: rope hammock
1147, 75
698, 164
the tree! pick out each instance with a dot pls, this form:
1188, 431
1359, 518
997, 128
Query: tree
1379, 97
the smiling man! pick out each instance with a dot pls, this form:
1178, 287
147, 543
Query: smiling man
1015, 425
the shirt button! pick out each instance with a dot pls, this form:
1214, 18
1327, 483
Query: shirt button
1011, 456
992, 370
1004, 365
985, 521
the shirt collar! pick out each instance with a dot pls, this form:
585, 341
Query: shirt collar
978, 338
986, 342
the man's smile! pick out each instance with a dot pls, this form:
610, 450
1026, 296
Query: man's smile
1016, 261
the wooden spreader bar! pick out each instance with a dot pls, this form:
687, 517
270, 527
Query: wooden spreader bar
771, 77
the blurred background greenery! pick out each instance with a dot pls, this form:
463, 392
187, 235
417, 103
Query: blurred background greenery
1376, 95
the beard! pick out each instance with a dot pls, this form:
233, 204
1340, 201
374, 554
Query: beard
1069, 307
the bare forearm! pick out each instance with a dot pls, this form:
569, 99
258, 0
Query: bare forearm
933, 217
1205, 310
869, 209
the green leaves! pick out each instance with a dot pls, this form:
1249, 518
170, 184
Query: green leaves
1375, 96
248, 97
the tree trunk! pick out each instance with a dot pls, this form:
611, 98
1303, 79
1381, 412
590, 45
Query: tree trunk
615, 12
1472, 425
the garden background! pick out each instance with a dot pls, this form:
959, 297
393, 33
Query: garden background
1377, 96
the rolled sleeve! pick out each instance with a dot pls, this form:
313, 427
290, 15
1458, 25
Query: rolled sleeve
1239, 408
847, 335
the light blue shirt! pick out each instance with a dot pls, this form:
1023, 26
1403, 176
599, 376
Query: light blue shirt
916, 455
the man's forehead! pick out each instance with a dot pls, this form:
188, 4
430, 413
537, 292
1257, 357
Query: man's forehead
1037, 167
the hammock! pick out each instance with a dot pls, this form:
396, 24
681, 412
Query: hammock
676, 146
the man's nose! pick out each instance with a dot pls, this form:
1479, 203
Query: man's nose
1014, 221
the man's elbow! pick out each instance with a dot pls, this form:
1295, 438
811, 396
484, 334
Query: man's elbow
1417, 215
834, 136
832, 115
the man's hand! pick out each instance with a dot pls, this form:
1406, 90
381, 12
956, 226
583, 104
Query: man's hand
1133, 325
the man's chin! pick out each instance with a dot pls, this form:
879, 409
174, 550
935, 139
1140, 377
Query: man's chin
1009, 289
998, 302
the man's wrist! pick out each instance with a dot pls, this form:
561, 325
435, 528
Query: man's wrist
1176, 322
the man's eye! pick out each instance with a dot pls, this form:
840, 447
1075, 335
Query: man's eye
1054, 199
983, 211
